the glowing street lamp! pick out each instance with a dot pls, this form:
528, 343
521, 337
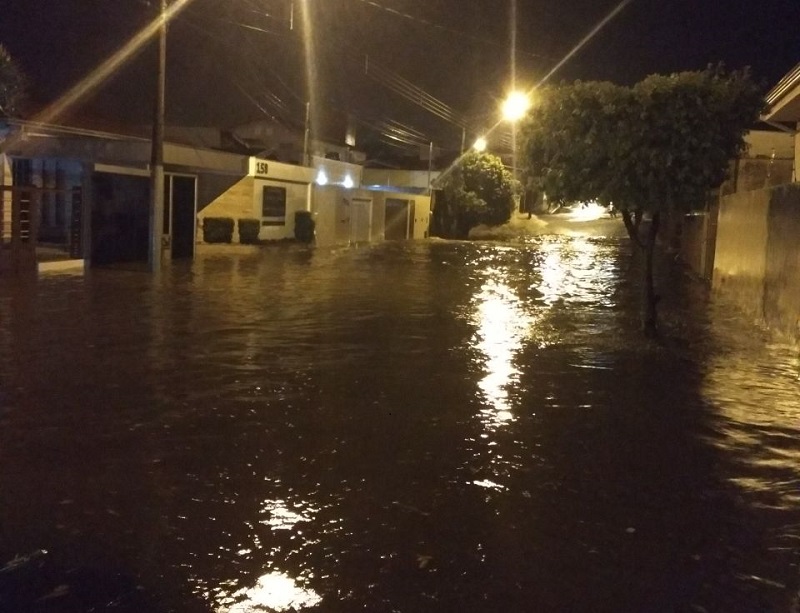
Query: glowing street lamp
515, 106
480, 145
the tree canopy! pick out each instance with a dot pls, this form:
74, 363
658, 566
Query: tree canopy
663, 143
478, 190
12, 85
659, 146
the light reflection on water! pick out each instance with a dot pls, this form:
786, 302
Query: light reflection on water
281, 517
575, 272
276, 590
754, 388
502, 328
272, 592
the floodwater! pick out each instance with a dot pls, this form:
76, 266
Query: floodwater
431, 426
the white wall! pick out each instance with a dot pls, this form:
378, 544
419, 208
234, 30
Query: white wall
295, 180
297, 199
761, 143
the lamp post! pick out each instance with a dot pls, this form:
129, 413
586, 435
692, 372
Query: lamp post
514, 108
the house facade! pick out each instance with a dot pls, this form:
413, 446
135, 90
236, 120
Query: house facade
81, 196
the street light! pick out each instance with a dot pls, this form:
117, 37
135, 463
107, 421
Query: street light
480, 145
515, 106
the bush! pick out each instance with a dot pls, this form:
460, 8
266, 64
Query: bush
304, 226
248, 230
218, 229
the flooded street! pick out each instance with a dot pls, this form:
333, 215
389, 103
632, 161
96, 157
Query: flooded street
432, 426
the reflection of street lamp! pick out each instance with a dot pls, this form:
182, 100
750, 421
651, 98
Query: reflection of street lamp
514, 108
480, 145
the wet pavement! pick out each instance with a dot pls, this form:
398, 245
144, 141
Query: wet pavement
432, 426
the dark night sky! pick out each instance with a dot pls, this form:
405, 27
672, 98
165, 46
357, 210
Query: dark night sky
234, 60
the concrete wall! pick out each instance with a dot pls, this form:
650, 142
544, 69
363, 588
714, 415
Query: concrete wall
235, 202
758, 173
697, 240
341, 214
767, 144
782, 287
241, 197
757, 256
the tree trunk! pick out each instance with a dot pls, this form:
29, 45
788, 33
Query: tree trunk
647, 245
649, 297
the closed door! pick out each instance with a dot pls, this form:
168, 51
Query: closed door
361, 211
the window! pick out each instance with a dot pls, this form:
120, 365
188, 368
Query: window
273, 206
22, 172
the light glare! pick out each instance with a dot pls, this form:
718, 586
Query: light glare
515, 106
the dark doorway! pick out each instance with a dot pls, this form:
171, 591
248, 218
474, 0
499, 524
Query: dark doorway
181, 192
120, 218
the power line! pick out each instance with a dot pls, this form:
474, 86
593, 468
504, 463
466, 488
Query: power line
437, 26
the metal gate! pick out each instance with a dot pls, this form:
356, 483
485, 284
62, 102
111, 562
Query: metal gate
20, 209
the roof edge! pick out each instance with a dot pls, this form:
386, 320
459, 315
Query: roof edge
791, 79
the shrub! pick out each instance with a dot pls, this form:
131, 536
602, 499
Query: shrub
304, 226
248, 230
218, 229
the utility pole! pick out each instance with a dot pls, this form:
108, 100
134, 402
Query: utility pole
306, 133
157, 154
430, 168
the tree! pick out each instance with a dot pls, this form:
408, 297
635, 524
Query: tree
656, 148
479, 190
12, 85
